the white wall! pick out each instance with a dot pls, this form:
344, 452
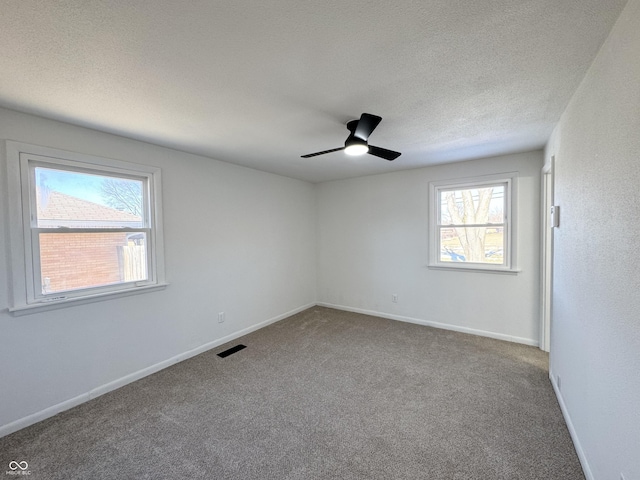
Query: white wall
595, 334
236, 240
372, 243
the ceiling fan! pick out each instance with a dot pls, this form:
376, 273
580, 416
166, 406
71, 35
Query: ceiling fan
357, 142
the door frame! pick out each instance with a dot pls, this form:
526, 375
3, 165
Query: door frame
546, 255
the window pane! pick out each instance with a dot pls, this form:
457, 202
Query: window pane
472, 206
70, 261
82, 200
472, 244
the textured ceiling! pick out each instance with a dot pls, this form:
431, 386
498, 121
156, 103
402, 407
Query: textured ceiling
261, 83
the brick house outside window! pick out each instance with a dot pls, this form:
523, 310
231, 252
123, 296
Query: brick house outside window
72, 261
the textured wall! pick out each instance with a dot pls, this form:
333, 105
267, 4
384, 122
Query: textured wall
236, 240
595, 337
373, 242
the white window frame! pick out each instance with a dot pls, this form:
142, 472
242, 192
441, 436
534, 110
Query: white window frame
22, 159
510, 181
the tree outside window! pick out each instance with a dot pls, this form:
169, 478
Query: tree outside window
471, 224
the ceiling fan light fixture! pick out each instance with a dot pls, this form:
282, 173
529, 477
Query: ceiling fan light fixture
357, 142
356, 149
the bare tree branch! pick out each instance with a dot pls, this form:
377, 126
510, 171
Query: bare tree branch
471, 238
125, 195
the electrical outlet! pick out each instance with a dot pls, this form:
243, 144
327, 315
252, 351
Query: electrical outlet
220, 317
394, 298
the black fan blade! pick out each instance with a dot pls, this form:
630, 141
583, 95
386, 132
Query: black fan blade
366, 125
322, 153
383, 153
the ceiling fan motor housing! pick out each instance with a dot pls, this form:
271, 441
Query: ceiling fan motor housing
353, 141
354, 145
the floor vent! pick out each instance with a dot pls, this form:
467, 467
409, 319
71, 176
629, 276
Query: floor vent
231, 351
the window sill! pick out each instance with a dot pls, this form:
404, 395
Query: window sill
480, 269
28, 309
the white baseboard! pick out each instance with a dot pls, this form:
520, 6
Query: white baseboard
42, 414
574, 436
428, 323
120, 382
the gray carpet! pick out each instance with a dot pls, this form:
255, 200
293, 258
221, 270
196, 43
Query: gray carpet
323, 394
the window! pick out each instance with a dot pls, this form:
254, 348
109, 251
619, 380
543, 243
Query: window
89, 227
471, 224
